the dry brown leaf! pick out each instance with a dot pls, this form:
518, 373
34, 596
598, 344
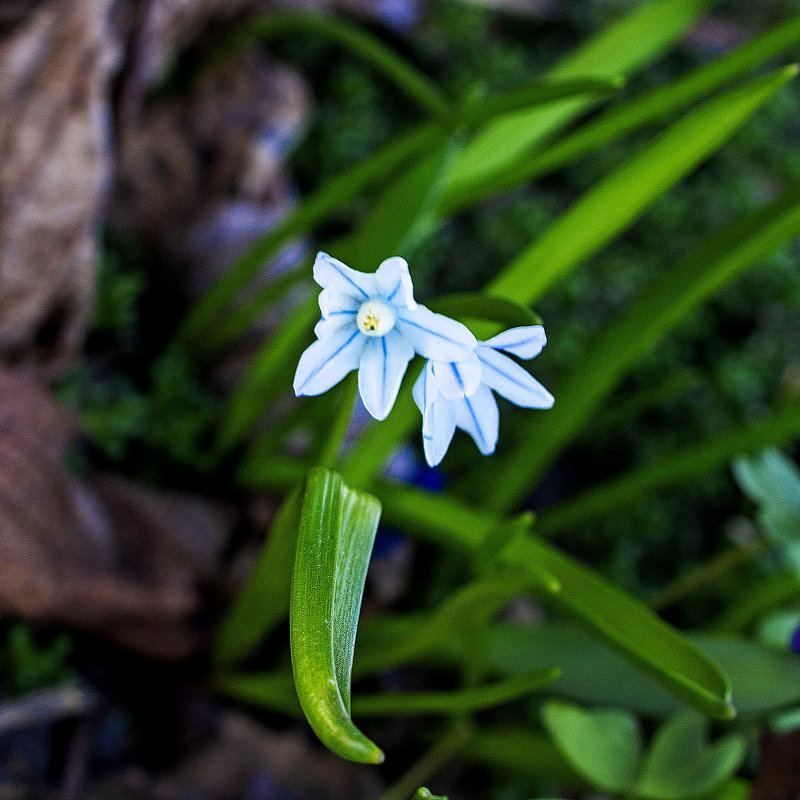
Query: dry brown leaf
102, 554
54, 166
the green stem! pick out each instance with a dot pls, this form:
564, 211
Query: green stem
338, 430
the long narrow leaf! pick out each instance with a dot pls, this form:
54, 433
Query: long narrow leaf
337, 529
672, 296
617, 51
631, 116
613, 204
629, 627
680, 467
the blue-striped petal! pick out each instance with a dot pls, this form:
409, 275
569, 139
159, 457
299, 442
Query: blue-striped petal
479, 417
327, 361
330, 273
523, 342
509, 379
435, 336
458, 378
326, 327
383, 364
438, 417
333, 303
394, 282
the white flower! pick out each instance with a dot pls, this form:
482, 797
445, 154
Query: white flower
459, 395
371, 322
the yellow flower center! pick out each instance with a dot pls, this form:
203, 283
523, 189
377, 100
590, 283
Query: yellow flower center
376, 317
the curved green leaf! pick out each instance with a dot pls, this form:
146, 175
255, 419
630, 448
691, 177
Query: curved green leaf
384, 59
337, 529
670, 297
680, 764
425, 794
603, 746
474, 305
628, 626
613, 204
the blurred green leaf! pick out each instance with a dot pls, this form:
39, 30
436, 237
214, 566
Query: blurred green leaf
604, 746
670, 297
610, 206
461, 701
337, 530
676, 468
680, 764
264, 600
619, 50
384, 59
476, 306
633, 115
627, 625
424, 794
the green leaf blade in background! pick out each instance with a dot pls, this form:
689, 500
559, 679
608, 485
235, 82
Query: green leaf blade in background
609, 207
631, 116
628, 626
604, 746
670, 298
264, 599
337, 529
616, 51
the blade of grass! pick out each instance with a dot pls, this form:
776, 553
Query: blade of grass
674, 294
613, 204
676, 468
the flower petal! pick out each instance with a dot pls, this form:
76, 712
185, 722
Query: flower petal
458, 378
524, 342
325, 328
330, 273
394, 282
327, 361
438, 417
479, 417
381, 370
333, 303
512, 381
435, 336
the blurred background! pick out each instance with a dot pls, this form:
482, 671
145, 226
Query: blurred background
134, 170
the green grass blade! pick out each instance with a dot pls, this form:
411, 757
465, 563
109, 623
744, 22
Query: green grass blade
670, 297
633, 115
631, 43
417, 86
264, 599
337, 529
484, 307
629, 627
672, 470
425, 794
331, 198
613, 204
461, 701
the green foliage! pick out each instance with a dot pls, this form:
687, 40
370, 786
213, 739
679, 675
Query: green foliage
336, 532
27, 665
424, 794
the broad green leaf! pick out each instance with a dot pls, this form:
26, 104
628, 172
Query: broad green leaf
680, 764
603, 746
619, 50
353, 38
330, 198
654, 106
337, 529
627, 625
461, 701
264, 600
674, 469
668, 300
737, 789
425, 794
614, 203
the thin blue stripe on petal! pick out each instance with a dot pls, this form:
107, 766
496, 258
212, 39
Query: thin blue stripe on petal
383, 364
458, 379
509, 379
435, 336
479, 417
523, 342
330, 273
327, 361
